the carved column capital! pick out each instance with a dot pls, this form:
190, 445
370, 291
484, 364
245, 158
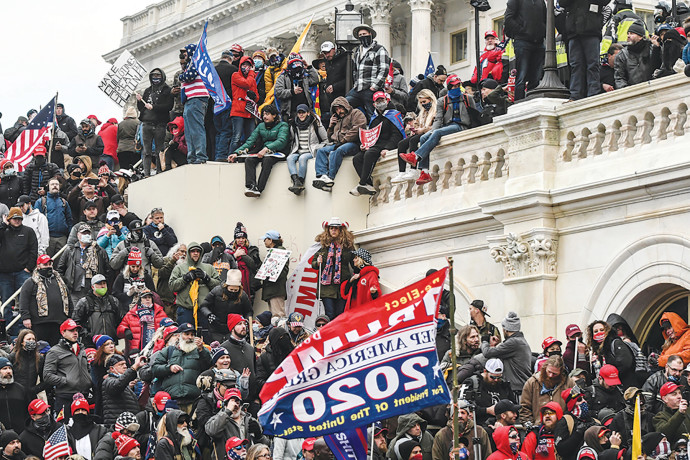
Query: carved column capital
438, 16
527, 257
380, 11
420, 4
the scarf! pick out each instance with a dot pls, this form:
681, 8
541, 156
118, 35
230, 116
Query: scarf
42, 295
147, 320
90, 260
194, 297
332, 270
544, 438
304, 124
242, 266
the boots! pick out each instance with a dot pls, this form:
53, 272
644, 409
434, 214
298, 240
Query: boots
295, 187
300, 185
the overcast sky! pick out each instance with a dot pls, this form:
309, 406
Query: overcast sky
54, 46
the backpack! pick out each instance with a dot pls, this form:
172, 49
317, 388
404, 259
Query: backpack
44, 204
475, 115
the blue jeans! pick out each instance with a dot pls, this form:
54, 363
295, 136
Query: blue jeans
529, 61
9, 283
185, 316
194, 130
303, 159
362, 100
333, 307
329, 158
583, 55
223, 134
109, 161
430, 139
241, 129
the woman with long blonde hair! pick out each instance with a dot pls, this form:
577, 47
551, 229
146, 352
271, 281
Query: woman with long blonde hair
426, 104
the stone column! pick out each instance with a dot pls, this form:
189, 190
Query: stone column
310, 47
380, 11
421, 35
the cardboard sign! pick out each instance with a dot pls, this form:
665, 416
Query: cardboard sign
368, 137
122, 78
273, 264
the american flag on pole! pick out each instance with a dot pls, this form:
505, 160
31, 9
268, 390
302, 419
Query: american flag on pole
36, 132
57, 445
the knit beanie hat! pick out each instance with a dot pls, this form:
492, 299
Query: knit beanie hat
362, 254
217, 353
406, 448
134, 257
7, 437
123, 443
240, 230
264, 318
126, 421
490, 83
79, 402
650, 441
100, 340
90, 354
511, 323
233, 320
637, 28
113, 360
103, 169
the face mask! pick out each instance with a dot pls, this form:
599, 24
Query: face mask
514, 448
296, 73
455, 93
554, 353
258, 64
10, 172
101, 291
233, 295
417, 457
137, 235
86, 238
599, 336
381, 106
30, 345
245, 70
256, 328
45, 272
440, 323
621, 333
673, 378
366, 41
28, 210
81, 419
43, 422
40, 160
426, 106
156, 81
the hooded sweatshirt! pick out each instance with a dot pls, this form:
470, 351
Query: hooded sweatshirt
240, 86
503, 450
184, 289
179, 138
346, 129
539, 443
405, 422
681, 346
160, 97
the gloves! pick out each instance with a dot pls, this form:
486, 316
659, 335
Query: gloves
128, 334
653, 360
199, 273
252, 95
486, 338
205, 279
189, 276
212, 318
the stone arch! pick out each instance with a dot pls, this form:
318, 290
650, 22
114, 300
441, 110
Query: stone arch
637, 276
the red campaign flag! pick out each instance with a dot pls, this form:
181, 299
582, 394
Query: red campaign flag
389, 78
368, 137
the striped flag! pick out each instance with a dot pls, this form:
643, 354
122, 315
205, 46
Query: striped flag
36, 132
316, 99
57, 445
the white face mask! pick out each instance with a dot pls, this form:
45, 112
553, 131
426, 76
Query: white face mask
85, 238
381, 106
10, 172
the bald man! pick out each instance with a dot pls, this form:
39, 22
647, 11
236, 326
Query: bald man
321, 450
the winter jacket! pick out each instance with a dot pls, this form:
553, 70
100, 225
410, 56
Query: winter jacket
285, 90
405, 422
222, 427
108, 133
28, 373
182, 287
581, 20
533, 399
358, 292
150, 254
623, 423
95, 434
57, 211
487, 395
28, 307
516, 355
18, 248
390, 135
635, 63
427, 83
14, 403
39, 223
400, 93
600, 397
67, 372
117, 396
278, 288
109, 243
70, 266
275, 138
652, 386
225, 71
248, 264
672, 423
181, 385
570, 435
526, 20
503, 450
214, 303
33, 441
126, 132
240, 86
11, 188
346, 129
160, 97
77, 200
371, 67
98, 315
92, 142
36, 177
317, 137
242, 356
335, 74
169, 447
443, 441
491, 63
131, 322
67, 125
681, 346
444, 111
332, 291
221, 261
569, 357
533, 437
95, 225
178, 138
164, 239
163, 283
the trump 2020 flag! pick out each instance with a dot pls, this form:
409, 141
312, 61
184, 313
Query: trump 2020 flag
430, 67
207, 72
371, 363
348, 444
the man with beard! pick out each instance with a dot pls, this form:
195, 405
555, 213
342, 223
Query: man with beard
177, 441
11, 446
66, 367
231, 421
488, 389
623, 421
670, 373
150, 254
674, 419
221, 260
85, 432
379, 445
433, 82
506, 415
539, 442
570, 430
606, 391
241, 353
192, 281
443, 441
467, 346
543, 387
412, 426
14, 399
38, 428
178, 367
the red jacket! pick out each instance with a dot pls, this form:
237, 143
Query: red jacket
131, 322
179, 137
109, 135
491, 64
503, 451
359, 293
240, 85
529, 445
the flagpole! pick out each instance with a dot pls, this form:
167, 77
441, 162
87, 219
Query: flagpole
371, 446
453, 357
52, 129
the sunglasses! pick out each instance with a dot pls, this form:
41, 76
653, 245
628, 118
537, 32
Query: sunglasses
514, 436
492, 377
240, 447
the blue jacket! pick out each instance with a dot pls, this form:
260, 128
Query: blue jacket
164, 239
686, 54
109, 243
58, 213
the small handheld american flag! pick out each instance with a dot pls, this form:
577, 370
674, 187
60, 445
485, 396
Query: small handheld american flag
57, 445
36, 132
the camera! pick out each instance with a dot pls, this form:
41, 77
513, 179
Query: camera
92, 181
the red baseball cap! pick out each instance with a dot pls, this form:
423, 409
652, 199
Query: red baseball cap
308, 444
610, 374
232, 393
40, 150
453, 80
490, 33
572, 329
43, 259
161, 399
381, 95
550, 341
68, 325
666, 388
234, 442
38, 406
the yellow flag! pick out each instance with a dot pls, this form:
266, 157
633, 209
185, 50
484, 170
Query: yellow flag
636, 431
295, 49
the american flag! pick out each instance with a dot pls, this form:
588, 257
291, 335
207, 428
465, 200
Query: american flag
57, 445
36, 132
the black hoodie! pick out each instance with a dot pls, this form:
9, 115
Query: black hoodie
169, 445
160, 97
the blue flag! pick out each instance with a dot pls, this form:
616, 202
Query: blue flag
207, 72
430, 67
349, 444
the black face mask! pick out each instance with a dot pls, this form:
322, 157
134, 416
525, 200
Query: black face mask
137, 235
40, 160
43, 423
233, 295
366, 41
46, 272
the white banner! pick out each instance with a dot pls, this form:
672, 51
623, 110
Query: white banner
302, 287
122, 78
273, 264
